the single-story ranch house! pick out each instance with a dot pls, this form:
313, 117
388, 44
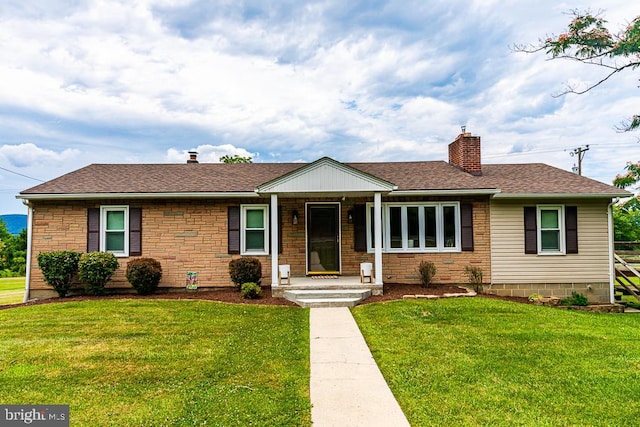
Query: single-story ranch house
529, 227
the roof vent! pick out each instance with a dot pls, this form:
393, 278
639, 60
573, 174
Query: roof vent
193, 157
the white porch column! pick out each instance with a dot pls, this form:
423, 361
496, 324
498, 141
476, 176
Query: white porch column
274, 240
377, 224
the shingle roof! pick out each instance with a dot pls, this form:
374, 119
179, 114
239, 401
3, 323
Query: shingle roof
533, 178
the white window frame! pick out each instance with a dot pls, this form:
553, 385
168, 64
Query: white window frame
561, 229
104, 210
243, 229
386, 227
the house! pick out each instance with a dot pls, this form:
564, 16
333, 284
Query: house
529, 227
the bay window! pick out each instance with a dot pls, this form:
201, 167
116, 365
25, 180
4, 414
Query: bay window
417, 227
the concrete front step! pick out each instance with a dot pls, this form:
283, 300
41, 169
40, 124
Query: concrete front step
327, 297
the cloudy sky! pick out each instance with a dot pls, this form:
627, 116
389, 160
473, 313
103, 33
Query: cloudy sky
108, 81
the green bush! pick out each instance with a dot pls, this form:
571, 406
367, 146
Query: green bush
95, 269
144, 274
244, 270
250, 290
58, 269
474, 276
427, 270
535, 297
575, 299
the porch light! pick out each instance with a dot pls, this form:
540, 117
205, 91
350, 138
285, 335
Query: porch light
350, 216
294, 217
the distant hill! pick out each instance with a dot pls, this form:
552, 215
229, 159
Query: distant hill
15, 222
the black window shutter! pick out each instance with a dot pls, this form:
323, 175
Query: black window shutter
233, 229
93, 230
135, 231
466, 223
571, 228
530, 230
359, 228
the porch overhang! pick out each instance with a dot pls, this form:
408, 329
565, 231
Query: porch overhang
326, 177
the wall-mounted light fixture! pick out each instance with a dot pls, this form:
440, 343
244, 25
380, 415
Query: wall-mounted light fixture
294, 217
350, 216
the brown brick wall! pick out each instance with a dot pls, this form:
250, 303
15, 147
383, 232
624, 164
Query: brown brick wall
192, 236
464, 152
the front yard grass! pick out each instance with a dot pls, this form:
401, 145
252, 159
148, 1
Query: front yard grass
478, 361
159, 362
11, 290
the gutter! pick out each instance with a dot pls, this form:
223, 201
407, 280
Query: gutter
612, 270
559, 195
27, 282
93, 196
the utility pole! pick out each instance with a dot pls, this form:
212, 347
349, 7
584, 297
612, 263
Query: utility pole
580, 152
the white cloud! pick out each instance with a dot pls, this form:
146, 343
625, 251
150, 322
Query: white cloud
30, 155
114, 81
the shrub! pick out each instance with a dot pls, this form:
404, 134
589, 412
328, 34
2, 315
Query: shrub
474, 276
250, 290
58, 269
244, 270
427, 270
535, 297
95, 269
144, 274
575, 299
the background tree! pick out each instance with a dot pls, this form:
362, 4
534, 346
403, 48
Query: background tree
589, 41
235, 159
13, 252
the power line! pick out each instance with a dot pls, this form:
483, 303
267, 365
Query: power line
21, 174
580, 152
555, 150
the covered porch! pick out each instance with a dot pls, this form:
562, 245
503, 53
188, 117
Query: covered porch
326, 189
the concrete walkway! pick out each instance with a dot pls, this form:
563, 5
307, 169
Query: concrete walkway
347, 388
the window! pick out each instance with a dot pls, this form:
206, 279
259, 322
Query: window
114, 230
550, 231
417, 227
254, 229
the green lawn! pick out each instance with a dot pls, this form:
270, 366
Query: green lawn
159, 362
11, 290
477, 361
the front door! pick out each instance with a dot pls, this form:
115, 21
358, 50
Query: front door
323, 238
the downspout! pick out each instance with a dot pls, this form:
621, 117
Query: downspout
27, 282
612, 271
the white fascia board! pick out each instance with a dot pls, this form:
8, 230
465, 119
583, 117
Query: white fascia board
558, 195
454, 192
92, 196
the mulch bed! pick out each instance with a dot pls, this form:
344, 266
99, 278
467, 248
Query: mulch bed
230, 295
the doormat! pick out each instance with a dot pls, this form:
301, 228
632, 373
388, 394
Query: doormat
325, 276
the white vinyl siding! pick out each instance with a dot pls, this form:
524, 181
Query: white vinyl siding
509, 263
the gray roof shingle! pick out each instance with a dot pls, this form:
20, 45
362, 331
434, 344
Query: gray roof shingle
531, 178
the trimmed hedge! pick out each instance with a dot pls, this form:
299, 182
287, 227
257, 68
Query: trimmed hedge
95, 270
144, 274
244, 270
58, 269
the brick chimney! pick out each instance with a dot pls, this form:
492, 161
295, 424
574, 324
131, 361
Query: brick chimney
193, 157
464, 153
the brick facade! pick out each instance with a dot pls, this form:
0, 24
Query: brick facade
464, 152
191, 235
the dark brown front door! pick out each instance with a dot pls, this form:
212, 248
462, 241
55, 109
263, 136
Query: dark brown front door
323, 238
